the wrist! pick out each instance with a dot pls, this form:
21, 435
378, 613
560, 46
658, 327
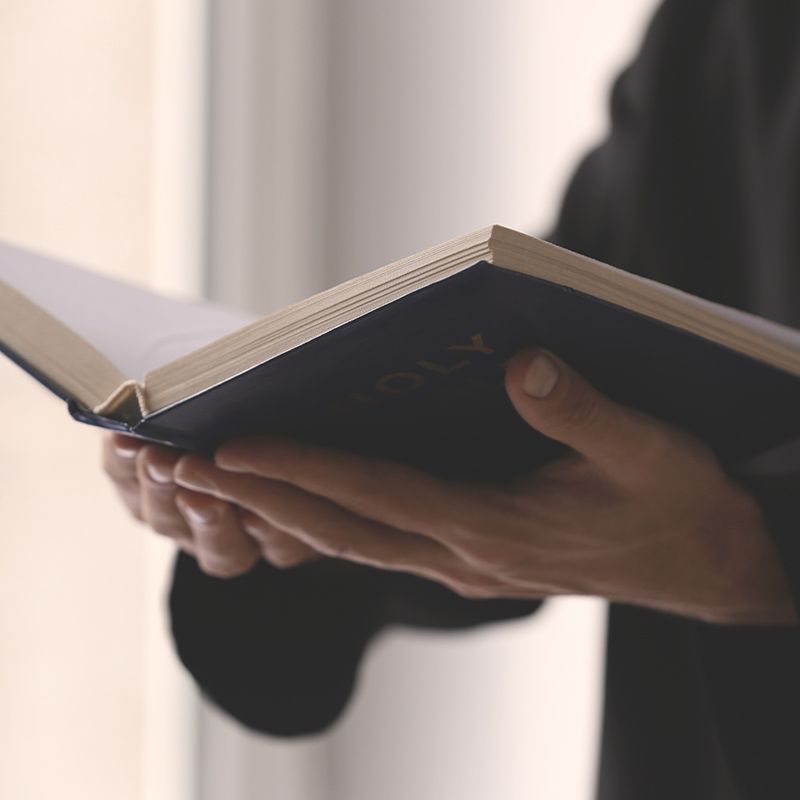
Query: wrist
752, 586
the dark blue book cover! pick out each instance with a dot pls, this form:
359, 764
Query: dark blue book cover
421, 381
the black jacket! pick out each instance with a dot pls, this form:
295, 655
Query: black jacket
696, 186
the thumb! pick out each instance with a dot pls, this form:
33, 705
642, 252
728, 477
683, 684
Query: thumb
556, 401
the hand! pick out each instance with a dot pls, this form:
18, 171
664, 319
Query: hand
641, 512
226, 541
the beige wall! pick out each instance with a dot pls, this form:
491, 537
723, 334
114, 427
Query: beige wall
81, 628
75, 116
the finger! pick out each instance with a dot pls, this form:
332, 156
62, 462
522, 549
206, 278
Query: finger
383, 491
556, 401
119, 463
187, 546
119, 457
221, 546
277, 546
126, 446
154, 470
324, 526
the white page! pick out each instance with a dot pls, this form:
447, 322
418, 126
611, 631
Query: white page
780, 333
136, 329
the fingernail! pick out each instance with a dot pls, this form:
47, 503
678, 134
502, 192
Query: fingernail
541, 377
159, 473
200, 515
124, 450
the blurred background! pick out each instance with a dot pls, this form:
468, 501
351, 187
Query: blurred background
256, 151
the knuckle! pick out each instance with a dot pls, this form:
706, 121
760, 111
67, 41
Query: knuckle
173, 526
218, 570
218, 567
187, 546
284, 558
582, 412
171, 530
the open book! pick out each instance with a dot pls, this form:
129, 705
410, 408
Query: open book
405, 361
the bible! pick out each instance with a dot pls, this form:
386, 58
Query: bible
404, 362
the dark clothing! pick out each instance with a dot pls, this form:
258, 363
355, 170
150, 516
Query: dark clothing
696, 186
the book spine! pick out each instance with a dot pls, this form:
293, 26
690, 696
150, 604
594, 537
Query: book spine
83, 414
127, 403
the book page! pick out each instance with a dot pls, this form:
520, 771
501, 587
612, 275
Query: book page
778, 345
135, 329
781, 333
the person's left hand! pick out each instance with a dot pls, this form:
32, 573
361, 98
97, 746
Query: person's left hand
641, 513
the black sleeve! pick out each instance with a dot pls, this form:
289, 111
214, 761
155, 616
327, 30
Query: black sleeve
752, 671
779, 498
279, 650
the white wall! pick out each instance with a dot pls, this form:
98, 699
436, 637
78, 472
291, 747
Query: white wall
447, 116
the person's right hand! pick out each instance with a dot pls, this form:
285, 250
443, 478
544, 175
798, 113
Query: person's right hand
225, 540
